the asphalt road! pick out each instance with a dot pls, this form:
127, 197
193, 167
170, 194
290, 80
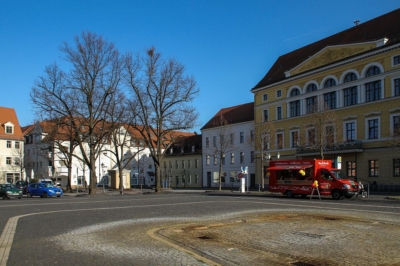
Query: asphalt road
199, 229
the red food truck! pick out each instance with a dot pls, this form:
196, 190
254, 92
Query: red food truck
296, 177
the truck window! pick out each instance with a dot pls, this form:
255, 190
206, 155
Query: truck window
326, 175
336, 173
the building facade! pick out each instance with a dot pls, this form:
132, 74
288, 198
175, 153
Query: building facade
228, 147
48, 158
182, 164
338, 98
11, 147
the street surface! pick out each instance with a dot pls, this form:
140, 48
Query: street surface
199, 229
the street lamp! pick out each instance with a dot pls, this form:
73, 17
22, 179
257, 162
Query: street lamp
102, 166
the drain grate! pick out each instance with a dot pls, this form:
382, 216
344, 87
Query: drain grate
302, 263
204, 237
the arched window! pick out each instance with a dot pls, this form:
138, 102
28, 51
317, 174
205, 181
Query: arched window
350, 77
294, 92
329, 83
373, 90
311, 87
372, 71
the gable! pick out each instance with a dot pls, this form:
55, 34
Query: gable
332, 54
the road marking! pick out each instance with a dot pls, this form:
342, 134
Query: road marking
7, 237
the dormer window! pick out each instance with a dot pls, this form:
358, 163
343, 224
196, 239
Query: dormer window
9, 129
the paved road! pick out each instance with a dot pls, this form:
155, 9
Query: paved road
199, 229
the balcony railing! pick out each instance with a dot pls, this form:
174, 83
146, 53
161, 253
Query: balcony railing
340, 146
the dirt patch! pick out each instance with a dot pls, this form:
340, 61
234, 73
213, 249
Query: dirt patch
291, 239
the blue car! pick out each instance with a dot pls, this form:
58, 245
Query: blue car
43, 190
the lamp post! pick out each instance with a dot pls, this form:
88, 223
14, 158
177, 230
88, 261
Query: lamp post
170, 178
102, 165
262, 160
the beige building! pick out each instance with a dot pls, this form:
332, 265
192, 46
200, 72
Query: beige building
11, 147
338, 97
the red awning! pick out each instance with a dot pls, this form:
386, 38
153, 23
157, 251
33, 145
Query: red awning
289, 167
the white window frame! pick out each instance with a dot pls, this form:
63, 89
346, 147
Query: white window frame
8, 127
345, 129
334, 133
391, 123
276, 140
392, 61
263, 115
393, 88
278, 92
292, 145
308, 136
367, 128
277, 118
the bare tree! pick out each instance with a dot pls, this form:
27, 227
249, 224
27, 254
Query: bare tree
163, 93
264, 137
122, 136
19, 161
83, 94
60, 134
394, 139
222, 143
320, 129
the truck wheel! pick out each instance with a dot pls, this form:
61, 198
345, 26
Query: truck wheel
336, 195
289, 194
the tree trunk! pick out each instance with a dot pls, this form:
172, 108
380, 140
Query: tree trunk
92, 186
158, 178
121, 182
220, 177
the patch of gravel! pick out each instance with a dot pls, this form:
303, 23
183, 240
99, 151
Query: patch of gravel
256, 237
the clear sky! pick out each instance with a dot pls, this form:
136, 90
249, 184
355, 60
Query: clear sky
227, 45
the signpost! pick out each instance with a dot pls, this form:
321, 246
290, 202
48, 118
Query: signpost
244, 171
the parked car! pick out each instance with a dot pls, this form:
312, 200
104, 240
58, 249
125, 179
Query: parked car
43, 190
22, 185
8, 191
49, 181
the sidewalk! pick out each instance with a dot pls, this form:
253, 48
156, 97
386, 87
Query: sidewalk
376, 195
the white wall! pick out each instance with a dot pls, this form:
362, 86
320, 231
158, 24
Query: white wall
246, 147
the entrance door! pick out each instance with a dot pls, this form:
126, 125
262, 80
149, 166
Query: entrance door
253, 180
208, 179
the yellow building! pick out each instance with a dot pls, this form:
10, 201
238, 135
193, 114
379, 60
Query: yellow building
337, 98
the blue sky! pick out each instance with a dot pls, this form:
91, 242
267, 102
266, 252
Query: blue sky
227, 45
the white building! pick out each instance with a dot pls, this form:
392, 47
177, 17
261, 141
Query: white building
49, 159
228, 140
11, 147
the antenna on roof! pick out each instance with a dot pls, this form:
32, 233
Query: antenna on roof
356, 22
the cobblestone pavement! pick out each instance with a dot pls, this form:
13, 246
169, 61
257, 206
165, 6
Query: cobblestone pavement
287, 237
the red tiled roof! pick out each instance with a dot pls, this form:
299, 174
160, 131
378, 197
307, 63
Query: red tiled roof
232, 115
9, 115
385, 26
